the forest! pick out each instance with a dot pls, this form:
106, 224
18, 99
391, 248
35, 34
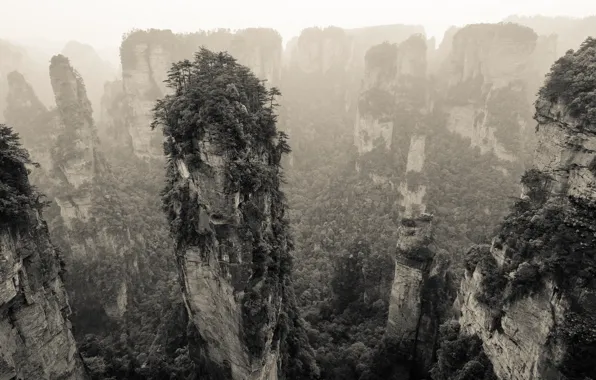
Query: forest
359, 204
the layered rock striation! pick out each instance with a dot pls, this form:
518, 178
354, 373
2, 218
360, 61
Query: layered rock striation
86, 216
36, 341
530, 295
74, 155
226, 212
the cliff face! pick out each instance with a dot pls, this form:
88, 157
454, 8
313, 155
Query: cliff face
565, 150
522, 346
412, 261
392, 128
227, 214
530, 295
74, 157
35, 337
75, 176
394, 83
147, 56
492, 67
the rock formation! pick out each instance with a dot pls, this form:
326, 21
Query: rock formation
94, 70
146, 59
569, 32
488, 64
74, 155
365, 38
16, 57
391, 132
226, 212
75, 176
530, 295
35, 333
407, 130
394, 83
31, 119
109, 227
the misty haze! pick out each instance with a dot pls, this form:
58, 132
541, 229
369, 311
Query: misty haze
307, 190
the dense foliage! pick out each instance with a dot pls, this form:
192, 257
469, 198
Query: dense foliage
545, 240
571, 81
220, 110
344, 294
17, 196
461, 357
344, 210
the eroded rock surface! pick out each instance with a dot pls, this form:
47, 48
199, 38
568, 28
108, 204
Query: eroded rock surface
529, 295
36, 341
226, 213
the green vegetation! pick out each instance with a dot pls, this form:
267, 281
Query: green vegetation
127, 235
234, 114
17, 196
571, 82
460, 356
546, 241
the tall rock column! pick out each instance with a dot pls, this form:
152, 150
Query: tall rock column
74, 154
90, 222
226, 212
35, 333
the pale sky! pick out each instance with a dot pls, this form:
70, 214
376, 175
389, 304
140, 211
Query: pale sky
101, 23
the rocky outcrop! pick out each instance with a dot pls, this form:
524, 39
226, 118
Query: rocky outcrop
437, 57
521, 347
73, 173
565, 151
529, 295
36, 341
226, 213
365, 38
